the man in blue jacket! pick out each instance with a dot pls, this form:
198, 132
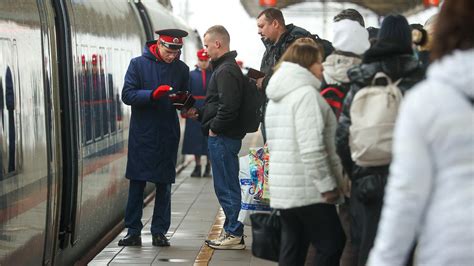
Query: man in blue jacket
154, 132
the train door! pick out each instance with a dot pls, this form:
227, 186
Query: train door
52, 141
68, 104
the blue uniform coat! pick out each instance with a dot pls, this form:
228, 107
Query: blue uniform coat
154, 126
194, 141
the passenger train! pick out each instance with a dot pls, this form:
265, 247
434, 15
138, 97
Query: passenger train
63, 127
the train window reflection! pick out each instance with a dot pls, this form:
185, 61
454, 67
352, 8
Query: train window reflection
10, 104
2, 135
8, 126
100, 105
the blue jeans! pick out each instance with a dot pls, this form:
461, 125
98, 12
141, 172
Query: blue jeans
161, 213
223, 153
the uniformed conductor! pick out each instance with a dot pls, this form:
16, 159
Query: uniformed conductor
154, 132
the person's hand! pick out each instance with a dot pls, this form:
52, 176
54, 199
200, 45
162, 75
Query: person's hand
190, 113
331, 196
160, 91
212, 134
259, 83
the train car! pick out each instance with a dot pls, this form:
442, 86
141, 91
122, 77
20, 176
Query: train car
63, 127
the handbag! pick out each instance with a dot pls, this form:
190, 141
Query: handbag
371, 188
266, 235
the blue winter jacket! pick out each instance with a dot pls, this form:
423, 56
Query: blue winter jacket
154, 127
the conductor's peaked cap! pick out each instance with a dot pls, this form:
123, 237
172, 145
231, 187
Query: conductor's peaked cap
171, 38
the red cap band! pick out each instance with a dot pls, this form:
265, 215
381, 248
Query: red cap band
171, 40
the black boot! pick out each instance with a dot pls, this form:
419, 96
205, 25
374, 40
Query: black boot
160, 240
207, 171
196, 172
130, 240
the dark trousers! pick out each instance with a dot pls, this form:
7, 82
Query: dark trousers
317, 224
161, 220
364, 223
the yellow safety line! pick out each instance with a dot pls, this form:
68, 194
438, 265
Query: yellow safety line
205, 254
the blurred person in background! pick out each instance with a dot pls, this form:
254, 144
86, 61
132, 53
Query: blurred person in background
429, 195
392, 54
424, 40
195, 142
305, 171
350, 41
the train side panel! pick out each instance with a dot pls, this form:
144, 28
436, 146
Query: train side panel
23, 135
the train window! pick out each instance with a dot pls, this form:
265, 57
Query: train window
85, 93
111, 92
99, 86
104, 99
96, 95
10, 148
2, 137
10, 104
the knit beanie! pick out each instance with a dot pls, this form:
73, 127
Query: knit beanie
350, 36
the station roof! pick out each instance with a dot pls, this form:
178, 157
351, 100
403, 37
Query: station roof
379, 7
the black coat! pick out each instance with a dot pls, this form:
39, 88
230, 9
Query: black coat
223, 99
273, 51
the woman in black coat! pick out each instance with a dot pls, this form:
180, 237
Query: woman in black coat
393, 55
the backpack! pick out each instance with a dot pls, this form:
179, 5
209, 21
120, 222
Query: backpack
373, 113
334, 95
251, 108
325, 44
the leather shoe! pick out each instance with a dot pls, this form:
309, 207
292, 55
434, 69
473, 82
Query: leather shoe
196, 172
207, 171
160, 240
130, 240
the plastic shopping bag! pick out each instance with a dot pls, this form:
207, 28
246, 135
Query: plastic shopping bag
250, 203
258, 163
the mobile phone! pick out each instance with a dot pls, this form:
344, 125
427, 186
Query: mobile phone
255, 74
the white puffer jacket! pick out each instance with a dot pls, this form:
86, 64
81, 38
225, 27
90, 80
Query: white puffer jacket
429, 196
300, 134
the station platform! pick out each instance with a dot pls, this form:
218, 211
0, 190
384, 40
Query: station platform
195, 217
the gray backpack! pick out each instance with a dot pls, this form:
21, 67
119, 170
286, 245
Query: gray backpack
373, 114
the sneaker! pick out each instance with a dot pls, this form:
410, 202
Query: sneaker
229, 242
196, 172
220, 238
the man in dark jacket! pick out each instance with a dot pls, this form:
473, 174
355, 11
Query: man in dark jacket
220, 120
154, 132
276, 36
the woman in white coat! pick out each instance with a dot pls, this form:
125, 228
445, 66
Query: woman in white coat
429, 197
304, 169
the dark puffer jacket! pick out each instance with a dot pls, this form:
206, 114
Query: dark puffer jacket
274, 51
368, 182
223, 98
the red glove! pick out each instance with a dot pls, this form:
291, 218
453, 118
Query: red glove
160, 91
